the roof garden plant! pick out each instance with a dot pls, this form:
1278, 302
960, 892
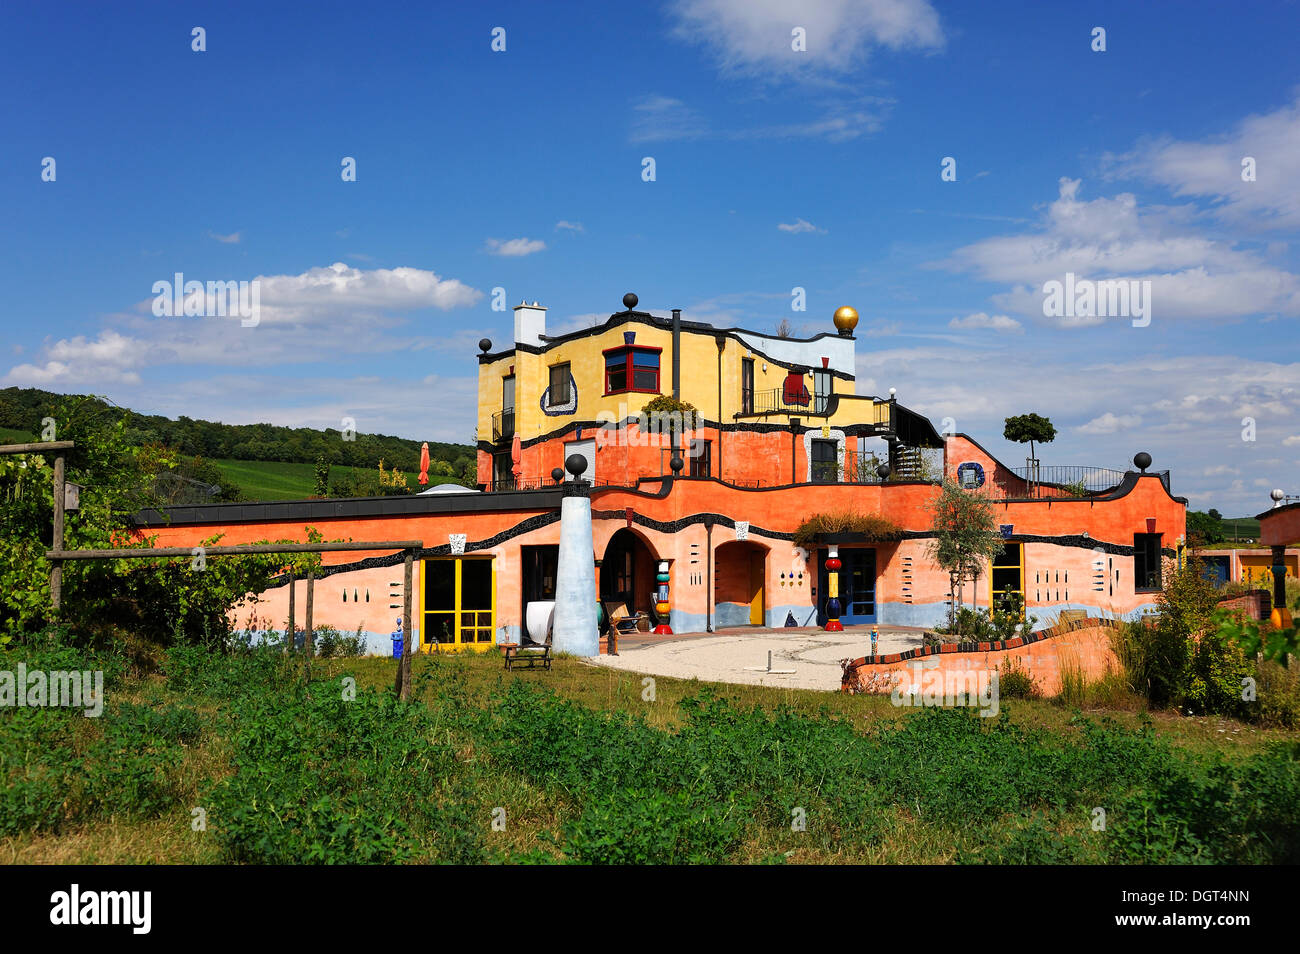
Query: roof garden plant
873, 527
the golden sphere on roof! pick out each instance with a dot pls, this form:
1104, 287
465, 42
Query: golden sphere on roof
846, 319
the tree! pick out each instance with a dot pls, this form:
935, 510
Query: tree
1027, 428
965, 535
1204, 528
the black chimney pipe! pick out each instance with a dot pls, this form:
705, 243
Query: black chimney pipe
677, 374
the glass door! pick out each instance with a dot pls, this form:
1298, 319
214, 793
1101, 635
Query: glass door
858, 584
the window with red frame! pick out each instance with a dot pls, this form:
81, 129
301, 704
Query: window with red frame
632, 369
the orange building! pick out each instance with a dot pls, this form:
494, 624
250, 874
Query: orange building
749, 434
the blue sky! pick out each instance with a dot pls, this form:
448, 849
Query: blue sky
774, 169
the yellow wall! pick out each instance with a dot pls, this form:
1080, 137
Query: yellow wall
699, 381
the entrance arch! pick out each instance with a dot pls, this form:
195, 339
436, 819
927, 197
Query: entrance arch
627, 572
740, 584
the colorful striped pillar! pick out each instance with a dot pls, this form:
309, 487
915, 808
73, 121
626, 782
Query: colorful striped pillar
833, 624
661, 601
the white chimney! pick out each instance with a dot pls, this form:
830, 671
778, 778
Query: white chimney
530, 324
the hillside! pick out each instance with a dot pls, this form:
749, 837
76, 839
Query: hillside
255, 461
23, 408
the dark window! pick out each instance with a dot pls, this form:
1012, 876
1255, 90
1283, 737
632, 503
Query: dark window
1146, 561
823, 385
747, 386
508, 392
825, 461
540, 565
701, 458
503, 477
632, 369
1006, 572
559, 389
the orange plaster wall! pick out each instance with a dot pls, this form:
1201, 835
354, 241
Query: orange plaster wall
1281, 526
1087, 648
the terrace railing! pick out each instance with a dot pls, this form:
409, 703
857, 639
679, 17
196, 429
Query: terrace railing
1056, 481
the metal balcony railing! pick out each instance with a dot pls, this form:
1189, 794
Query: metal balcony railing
1061, 481
503, 425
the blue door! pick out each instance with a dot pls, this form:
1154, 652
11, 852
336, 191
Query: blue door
857, 587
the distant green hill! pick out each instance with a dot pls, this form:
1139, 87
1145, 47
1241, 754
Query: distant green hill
22, 409
280, 480
258, 461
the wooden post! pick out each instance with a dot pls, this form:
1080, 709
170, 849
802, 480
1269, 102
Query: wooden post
56, 567
289, 633
307, 630
404, 665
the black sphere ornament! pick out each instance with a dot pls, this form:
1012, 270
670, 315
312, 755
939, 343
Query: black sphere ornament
485, 345
1142, 460
557, 474
629, 301
575, 464
883, 471
677, 464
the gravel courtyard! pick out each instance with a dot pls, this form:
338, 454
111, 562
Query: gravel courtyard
734, 655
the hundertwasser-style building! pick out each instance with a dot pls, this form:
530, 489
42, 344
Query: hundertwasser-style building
711, 499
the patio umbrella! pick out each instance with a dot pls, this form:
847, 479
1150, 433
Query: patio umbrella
516, 451
424, 462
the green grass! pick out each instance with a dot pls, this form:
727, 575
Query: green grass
1247, 528
9, 435
281, 480
587, 768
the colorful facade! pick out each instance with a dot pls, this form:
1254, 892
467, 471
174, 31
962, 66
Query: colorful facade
778, 433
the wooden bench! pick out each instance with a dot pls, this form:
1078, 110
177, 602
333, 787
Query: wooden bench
529, 656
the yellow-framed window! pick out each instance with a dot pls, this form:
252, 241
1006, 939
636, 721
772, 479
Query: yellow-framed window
1007, 572
458, 598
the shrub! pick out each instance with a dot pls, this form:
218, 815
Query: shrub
1216, 675
329, 643
1016, 682
874, 527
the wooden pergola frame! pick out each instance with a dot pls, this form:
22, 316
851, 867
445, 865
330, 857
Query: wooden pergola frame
57, 555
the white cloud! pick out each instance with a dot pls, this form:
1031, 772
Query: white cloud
800, 225
514, 248
1110, 423
1292, 441
1212, 169
662, 118
317, 315
231, 239
754, 36
565, 225
1191, 275
999, 323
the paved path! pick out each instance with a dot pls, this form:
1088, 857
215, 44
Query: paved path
724, 657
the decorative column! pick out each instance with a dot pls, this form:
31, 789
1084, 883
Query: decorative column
661, 600
574, 628
833, 624
1281, 615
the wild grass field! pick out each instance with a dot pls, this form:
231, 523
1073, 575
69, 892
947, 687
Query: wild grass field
296, 761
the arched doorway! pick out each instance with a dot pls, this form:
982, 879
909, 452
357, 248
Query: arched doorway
739, 584
627, 572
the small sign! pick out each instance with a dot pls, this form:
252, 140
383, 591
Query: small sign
71, 496
457, 542
742, 529
1006, 529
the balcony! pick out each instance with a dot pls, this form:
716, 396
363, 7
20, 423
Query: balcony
503, 425
777, 401
1065, 481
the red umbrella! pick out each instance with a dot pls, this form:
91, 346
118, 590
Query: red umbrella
424, 462
516, 451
